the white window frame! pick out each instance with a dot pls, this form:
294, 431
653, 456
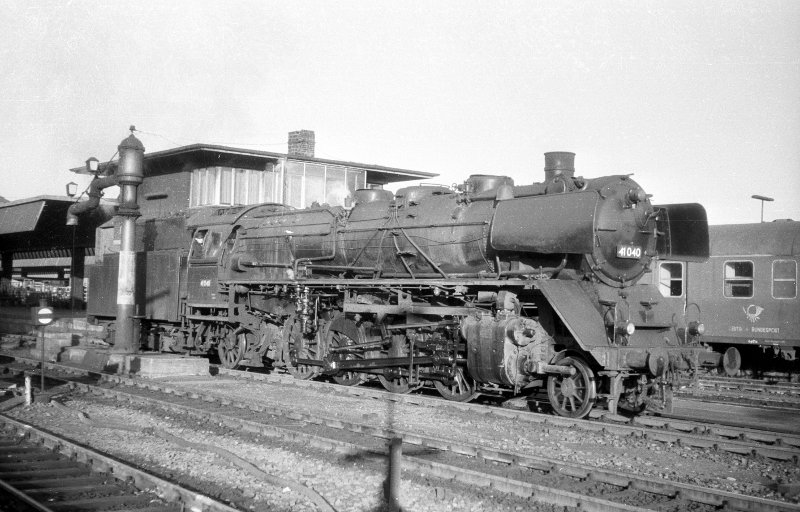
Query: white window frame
362, 182
213, 176
662, 285
752, 279
774, 279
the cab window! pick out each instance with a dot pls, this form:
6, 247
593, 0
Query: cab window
738, 279
784, 279
670, 279
206, 244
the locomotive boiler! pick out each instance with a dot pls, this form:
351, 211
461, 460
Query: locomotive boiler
487, 287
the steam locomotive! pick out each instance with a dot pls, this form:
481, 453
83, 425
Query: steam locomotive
486, 287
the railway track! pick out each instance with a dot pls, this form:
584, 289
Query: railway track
557, 483
743, 392
780, 446
46, 472
450, 459
734, 439
762, 386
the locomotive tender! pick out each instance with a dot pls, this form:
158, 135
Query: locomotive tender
489, 288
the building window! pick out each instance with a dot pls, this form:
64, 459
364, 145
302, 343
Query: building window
229, 186
670, 279
784, 279
308, 183
738, 279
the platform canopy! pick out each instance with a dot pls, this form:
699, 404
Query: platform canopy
36, 227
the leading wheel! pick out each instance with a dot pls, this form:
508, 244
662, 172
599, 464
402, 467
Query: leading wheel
231, 349
461, 389
572, 396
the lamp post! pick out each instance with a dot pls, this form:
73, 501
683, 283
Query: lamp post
762, 199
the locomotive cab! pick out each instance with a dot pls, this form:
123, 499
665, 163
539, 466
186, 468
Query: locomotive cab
202, 283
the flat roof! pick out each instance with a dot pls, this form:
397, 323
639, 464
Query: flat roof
39, 223
202, 152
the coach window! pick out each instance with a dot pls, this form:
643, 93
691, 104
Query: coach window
784, 279
739, 279
670, 279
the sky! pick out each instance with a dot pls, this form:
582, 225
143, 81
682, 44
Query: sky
699, 100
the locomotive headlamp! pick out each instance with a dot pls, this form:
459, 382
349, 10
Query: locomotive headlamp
626, 329
630, 328
92, 165
696, 328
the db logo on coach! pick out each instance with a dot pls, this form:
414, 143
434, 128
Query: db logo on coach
753, 312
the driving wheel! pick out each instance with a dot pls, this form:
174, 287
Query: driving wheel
394, 384
572, 396
232, 348
344, 333
300, 346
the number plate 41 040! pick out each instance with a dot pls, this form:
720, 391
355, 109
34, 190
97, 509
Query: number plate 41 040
627, 251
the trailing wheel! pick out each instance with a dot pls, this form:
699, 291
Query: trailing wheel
461, 389
232, 348
572, 396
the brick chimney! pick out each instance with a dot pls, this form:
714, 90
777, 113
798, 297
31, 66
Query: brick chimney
301, 143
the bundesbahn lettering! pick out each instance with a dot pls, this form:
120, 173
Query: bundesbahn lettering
766, 330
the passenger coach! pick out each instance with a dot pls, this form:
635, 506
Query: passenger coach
746, 293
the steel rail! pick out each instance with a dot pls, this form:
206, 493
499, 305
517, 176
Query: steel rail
670, 490
168, 491
733, 439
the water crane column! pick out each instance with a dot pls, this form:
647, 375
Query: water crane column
130, 174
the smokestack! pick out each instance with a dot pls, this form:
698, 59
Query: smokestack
301, 143
559, 162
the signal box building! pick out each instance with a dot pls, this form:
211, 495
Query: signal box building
178, 182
